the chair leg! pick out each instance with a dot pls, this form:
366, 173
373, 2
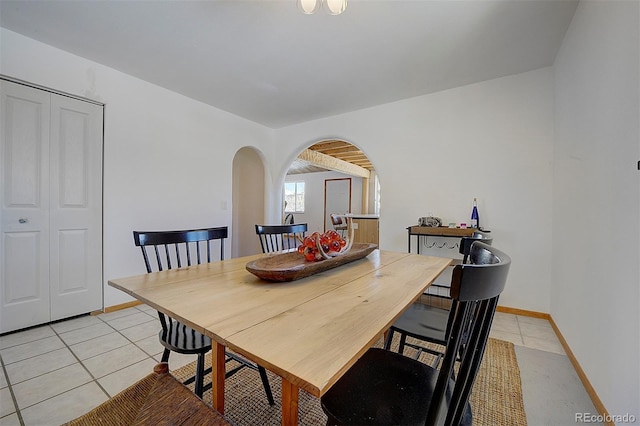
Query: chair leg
165, 355
267, 386
199, 376
403, 339
387, 342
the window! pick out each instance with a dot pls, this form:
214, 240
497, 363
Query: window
376, 195
294, 197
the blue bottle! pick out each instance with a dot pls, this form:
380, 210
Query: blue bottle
475, 219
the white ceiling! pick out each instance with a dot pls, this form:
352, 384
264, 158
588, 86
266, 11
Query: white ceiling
267, 62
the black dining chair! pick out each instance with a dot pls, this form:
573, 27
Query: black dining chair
429, 322
437, 294
176, 249
280, 238
465, 243
385, 387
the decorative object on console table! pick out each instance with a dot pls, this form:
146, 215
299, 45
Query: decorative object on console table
431, 221
475, 219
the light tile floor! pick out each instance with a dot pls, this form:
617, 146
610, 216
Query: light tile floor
54, 373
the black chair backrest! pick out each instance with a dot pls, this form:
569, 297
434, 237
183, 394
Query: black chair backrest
275, 238
465, 243
475, 289
173, 248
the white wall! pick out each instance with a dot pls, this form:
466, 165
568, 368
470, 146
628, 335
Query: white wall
167, 158
596, 207
314, 197
492, 140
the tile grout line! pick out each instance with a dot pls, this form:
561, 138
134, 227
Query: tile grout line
131, 341
93, 379
33, 356
83, 366
520, 331
67, 346
13, 396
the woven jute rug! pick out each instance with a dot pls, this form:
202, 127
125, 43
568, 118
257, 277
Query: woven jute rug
496, 399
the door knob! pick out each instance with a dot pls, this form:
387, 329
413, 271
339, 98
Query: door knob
23, 220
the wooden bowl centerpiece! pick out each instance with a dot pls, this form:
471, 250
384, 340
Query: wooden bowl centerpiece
317, 253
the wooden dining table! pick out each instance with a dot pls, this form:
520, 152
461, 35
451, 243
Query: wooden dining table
309, 331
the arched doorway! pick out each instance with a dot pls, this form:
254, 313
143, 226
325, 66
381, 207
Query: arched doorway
334, 162
248, 195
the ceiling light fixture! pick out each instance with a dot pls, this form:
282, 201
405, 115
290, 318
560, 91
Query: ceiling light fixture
332, 7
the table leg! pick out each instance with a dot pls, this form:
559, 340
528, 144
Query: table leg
408, 241
289, 403
217, 375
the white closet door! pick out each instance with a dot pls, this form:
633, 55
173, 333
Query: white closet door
51, 213
24, 214
75, 207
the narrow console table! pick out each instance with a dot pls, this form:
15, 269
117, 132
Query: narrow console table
439, 231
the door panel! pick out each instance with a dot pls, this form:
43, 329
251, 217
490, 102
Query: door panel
24, 155
73, 256
23, 148
21, 268
72, 144
76, 207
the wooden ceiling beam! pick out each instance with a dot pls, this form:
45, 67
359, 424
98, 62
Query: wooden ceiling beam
356, 160
339, 150
362, 163
330, 144
332, 163
344, 156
